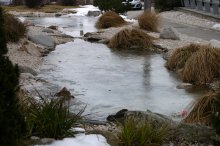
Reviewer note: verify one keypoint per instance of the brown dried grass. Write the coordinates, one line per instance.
(149, 21)
(110, 19)
(179, 56)
(203, 66)
(203, 110)
(131, 39)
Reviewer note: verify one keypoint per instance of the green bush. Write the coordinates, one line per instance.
(33, 3)
(216, 116)
(50, 118)
(166, 5)
(68, 2)
(111, 5)
(14, 29)
(12, 125)
(141, 134)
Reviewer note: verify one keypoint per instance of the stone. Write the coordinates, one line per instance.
(118, 115)
(53, 27)
(214, 43)
(43, 40)
(65, 94)
(94, 13)
(184, 86)
(58, 15)
(169, 33)
(47, 141)
(25, 69)
(47, 30)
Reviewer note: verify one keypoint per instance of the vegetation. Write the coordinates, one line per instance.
(14, 28)
(196, 64)
(149, 21)
(141, 134)
(216, 115)
(46, 8)
(12, 123)
(202, 110)
(17, 2)
(166, 5)
(68, 2)
(110, 19)
(111, 5)
(50, 118)
(131, 39)
(33, 3)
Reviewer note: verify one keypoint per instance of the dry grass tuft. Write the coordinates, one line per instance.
(179, 56)
(131, 39)
(203, 110)
(203, 66)
(110, 19)
(149, 21)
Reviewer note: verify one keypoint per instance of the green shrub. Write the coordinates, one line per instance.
(50, 118)
(12, 125)
(141, 134)
(33, 3)
(14, 29)
(166, 5)
(111, 5)
(67, 2)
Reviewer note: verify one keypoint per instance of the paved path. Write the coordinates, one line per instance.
(190, 30)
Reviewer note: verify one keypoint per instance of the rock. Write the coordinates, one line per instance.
(65, 94)
(94, 13)
(43, 40)
(25, 69)
(120, 114)
(53, 27)
(45, 141)
(170, 33)
(184, 86)
(47, 30)
(92, 37)
(34, 138)
(215, 85)
(58, 15)
(214, 43)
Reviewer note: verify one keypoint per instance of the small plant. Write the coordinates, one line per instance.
(135, 133)
(166, 5)
(33, 3)
(50, 118)
(14, 29)
(131, 39)
(149, 21)
(111, 5)
(110, 19)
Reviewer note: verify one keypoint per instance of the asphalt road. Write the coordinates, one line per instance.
(190, 30)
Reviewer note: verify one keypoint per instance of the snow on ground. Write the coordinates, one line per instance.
(81, 140)
(83, 10)
(216, 26)
(128, 20)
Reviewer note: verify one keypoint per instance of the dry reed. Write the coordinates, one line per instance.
(149, 21)
(131, 39)
(202, 110)
(110, 19)
(179, 56)
(203, 66)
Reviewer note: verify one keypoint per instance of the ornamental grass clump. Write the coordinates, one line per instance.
(131, 39)
(141, 134)
(196, 64)
(149, 21)
(202, 110)
(50, 118)
(110, 19)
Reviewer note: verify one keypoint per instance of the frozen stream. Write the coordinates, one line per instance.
(108, 81)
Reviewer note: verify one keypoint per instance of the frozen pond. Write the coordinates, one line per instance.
(108, 81)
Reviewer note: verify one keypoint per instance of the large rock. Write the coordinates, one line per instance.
(214, 43)
(177, 131)
(43, 40)
(25, 69)
(94, 13)
(170, 33)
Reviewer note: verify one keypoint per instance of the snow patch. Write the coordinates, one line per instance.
(216, 26)
(81, 140)
(83, 10)
(128, 20)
